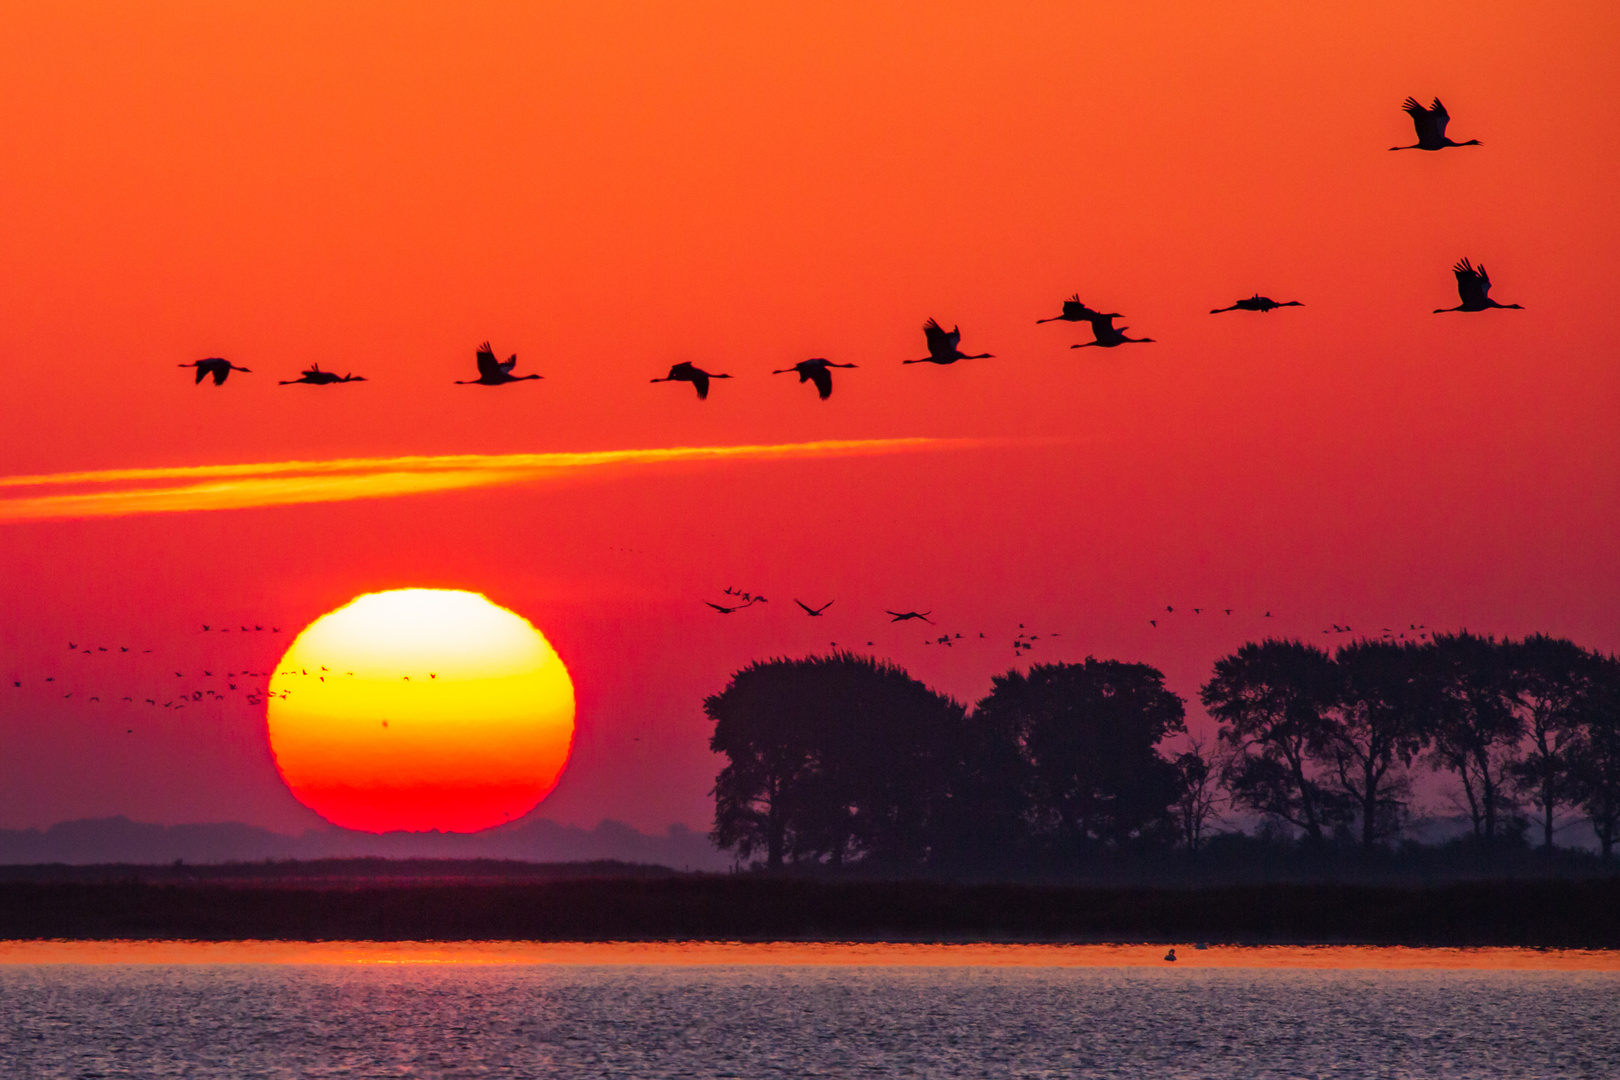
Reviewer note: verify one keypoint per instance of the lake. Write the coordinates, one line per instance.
(110, 1009)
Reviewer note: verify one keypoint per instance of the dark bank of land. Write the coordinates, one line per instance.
(330, 872)
(1547, 913)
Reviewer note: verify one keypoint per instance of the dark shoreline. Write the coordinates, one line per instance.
(1581, 914)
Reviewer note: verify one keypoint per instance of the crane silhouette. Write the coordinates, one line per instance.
(1473, 286)
(1108, 335)
(814, 370)
(728, 610)
(813, 611)
(1431, 127)
(218, 367)
(1257, 303)
(314, 376)
(942, 347)
(685, 372)
(1075, 311)
(906, 616)
(493, 372)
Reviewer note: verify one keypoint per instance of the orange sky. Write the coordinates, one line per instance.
(606, 189)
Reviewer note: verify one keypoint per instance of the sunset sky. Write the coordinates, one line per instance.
(606, 189)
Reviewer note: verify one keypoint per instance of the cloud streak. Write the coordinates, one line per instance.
(193, 488)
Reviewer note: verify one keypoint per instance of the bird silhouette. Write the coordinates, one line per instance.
(903, 616)
(314, 376)
(1473, 286)
(1257, 303)
(1107, 335)
(685, 372)
(216, 366)
(815, 371)
(808, 610)
(728, 610)
(1076, 311)
(942, 347)
(1431, 126)
(493, 372)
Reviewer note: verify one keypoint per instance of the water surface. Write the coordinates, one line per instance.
(348, 1010)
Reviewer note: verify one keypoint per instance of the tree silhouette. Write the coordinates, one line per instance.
(832, 759)
(1476, 729)
(983, 822)
(1088, 732)
(1381, 727)
(1595, 765)
(1198, 791)
(1552, 681)
(1272, 700)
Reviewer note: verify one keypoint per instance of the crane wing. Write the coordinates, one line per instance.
(1439, 118)
(488, 366)
(509, 363)
(1472, 283)
(939, 342)
(823, 380)
(1422, 121)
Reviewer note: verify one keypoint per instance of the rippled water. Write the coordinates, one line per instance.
(270, 1020)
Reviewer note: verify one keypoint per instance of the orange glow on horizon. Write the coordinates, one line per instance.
(420, 709)
(819, 954)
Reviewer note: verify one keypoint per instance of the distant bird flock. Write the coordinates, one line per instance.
(944, 347)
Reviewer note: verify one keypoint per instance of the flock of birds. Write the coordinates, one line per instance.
(195, 688)
(200, 686)
(739, 600)
(945, 347)
(204, 685)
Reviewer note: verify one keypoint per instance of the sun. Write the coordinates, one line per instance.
(420, 709)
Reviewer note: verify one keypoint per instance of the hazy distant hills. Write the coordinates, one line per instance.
(120, 840)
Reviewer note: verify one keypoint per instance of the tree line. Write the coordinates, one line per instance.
(842, 759)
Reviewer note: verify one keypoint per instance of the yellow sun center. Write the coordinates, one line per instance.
(421, 709)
